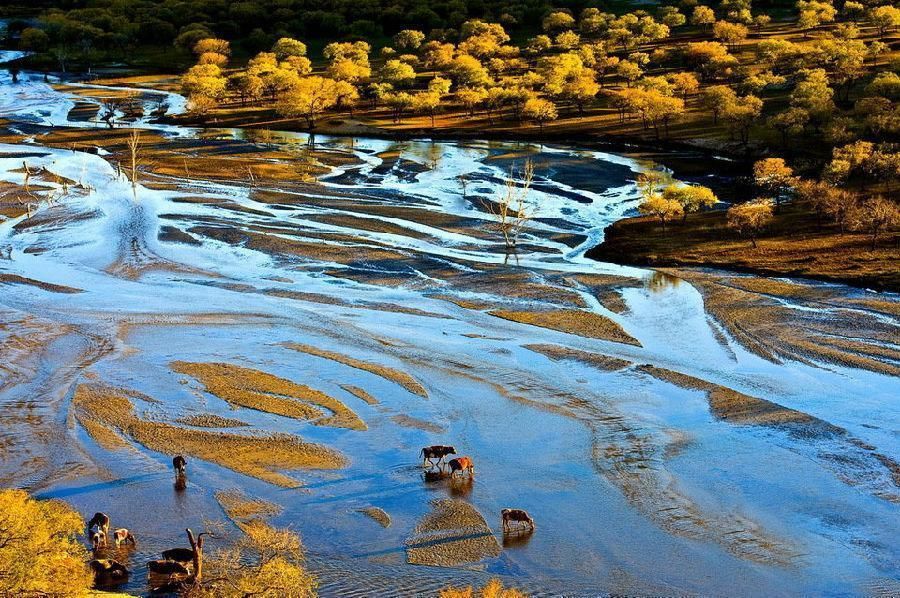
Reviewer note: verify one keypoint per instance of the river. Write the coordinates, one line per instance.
(769, 467)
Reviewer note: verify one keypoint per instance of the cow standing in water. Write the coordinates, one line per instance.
(436, 451)
(98, 530)
(123, 536)
(179, 463)
(461, 464)
(516, 516)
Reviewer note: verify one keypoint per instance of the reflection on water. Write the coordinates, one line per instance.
(659, 281)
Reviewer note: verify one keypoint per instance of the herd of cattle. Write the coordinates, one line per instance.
(176, 562)
(464, 465)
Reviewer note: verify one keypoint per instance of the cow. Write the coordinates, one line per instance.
(515, 516)
(435, 452)
(98, 538)
(180, 464)
(123, 536)
(179, 555)
(98, 530)
(108, 572)
(461, 464)
(167, 568)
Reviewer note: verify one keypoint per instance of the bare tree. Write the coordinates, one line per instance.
(134, 149)
(511, 210)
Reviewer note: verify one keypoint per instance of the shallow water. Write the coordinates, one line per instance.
(636, 484)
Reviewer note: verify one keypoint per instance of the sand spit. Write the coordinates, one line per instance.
(560, 353)
(454, 533)
(99, 406)
(571, 321)
(419, 424)
(239, 507)
(360, 394)
(378, 514)
(388, 373)
(736, 407)
(632, 461)
(211, 420)
(253, 389)
(851, 460)
(753, 311)
(46, 286)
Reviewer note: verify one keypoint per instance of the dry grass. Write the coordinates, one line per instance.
(97, 407)
(558, 353)
(211, 420)
(766, 327)
(452, 534)
(493, 589)
(253, 389)
(419, 424)
(239, 507)
(570, 321)
(793, 246)
(388, 373)
(360, 394)
(378, 515)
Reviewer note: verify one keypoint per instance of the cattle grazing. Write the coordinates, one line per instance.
(98, 538)
(179, 555)
(180, 464)
(98, 530)
(167, 568)
(517, 516)
(108, 572)
(123, 536)
(461, 464)
(100, 520)
(435, 452)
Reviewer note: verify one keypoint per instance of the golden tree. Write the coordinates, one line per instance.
(39, 550)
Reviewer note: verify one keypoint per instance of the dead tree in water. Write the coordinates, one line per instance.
(197, 547)
(512, 211)
(134, 149)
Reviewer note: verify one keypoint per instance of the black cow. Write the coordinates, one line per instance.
(435, 452)
(180, 465)
(179, 555)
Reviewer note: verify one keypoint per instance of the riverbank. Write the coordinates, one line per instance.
(794, 246)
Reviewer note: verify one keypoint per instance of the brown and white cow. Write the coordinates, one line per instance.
(436, 451)
(516, 516)
(461, 464)
(98, 530)
(123, 536)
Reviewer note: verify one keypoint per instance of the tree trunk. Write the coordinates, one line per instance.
(197, 547)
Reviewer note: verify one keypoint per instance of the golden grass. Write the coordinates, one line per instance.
(769, 329)
(99, 406)
(570, 321)
(383, 371)
(378, 514)
(558, 353)
(240, 507)
(493, 589)
(211, 420)
(452, 534)
(253, 389)
(419, 424)
(793, 246)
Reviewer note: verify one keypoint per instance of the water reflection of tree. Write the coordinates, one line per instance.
(660, 281)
